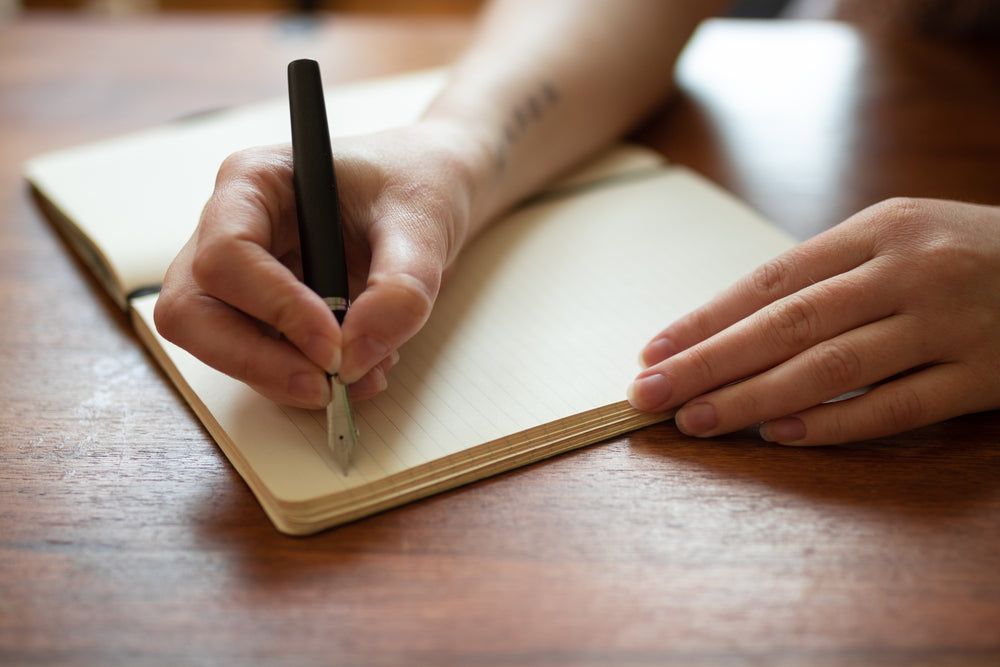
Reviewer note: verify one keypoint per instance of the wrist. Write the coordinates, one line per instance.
(463, 155)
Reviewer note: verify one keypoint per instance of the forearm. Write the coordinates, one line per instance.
(546, 84)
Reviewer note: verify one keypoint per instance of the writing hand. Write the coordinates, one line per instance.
(233, 296)
(903, 297)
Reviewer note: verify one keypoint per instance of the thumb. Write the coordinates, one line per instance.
(403, 282)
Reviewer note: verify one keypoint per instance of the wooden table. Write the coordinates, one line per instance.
(126, 537)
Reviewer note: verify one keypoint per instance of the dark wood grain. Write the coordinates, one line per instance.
(126, 538)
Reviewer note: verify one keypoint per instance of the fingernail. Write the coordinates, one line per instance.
(321, 350)
(697, 418)
(649, 393)
(786, 430)
(359, 356)
(309, 388)
(656, 351)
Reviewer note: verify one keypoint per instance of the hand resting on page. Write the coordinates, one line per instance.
(903, 297)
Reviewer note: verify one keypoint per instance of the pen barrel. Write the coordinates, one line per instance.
(317, 204)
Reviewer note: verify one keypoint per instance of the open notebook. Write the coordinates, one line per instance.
(530, 346)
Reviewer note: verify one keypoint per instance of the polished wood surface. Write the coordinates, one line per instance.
(126, 537)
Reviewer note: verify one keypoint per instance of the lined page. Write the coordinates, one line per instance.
(541, 320)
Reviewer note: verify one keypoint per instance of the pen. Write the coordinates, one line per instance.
(321, 238)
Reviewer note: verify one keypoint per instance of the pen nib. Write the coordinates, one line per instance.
(341, 431)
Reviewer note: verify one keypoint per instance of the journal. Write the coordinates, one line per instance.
(528, 351)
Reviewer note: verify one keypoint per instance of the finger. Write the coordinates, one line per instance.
(765, 339)
(832, 368)
(836, 251)
(375, 380)
(237, 346)
(233, 259)
(397, 300)
(925, 397)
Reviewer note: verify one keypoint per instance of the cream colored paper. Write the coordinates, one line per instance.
(528, 351)
(530, 346)
(135, 199)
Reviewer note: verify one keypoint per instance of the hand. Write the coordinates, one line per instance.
(903, 297)
(233, 296)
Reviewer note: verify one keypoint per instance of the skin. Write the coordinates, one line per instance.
(523, 105)
(234, 298)
(903, 297)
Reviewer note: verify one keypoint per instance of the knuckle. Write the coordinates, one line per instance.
(836, 364)
(259, 176)
(792, 321)
(238, 162)
(748, 407)
(700, 366)
(905, 219)
(836, 428)
(770, 278)
(903, 216)
(913, 229)
(248, 162)
(903, 409)
(900, 209)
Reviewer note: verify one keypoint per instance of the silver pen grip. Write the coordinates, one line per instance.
(342, 431)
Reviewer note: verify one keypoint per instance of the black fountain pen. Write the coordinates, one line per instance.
(321, 238)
